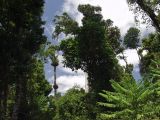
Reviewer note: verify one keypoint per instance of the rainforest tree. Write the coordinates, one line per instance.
(21, 36)
(89, 48)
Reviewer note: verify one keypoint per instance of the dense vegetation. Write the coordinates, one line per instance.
(92, 47)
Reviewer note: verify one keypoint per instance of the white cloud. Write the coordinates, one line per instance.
(132, 58)
(116, 10)
(66, 82)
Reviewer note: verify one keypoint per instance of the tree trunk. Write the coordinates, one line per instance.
(20, 111)
(5, 99)
(3, 94)
(55, 82)
(2, 113)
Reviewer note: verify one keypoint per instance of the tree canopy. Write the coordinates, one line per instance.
(132, 38)
(91, 48)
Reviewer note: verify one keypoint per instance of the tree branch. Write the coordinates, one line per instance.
(150, 13)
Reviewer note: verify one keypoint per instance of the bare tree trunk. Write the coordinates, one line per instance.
(55, 82)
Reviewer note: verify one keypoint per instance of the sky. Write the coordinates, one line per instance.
(116, 10)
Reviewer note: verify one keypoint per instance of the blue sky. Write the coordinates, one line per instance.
(116, 10)
(51, 9)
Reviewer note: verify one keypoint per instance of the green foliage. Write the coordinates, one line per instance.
(72, 105)
(146, 61)
(131, 100)
(112, 34)
(151, 45)
(70, 53)
(131, 39)
(51, 53)
(38, 91)
(65, 24)
(42, 108)
(155, 78)
(37, 84)
(92, 47)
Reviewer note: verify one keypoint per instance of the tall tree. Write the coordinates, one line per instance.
(53, 56)
(6, 56)
(22, 35)
(90, 47)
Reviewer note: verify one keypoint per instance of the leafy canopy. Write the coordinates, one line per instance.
(91, 47)
(131, 39)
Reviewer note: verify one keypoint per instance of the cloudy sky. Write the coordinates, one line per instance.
(116, 10)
